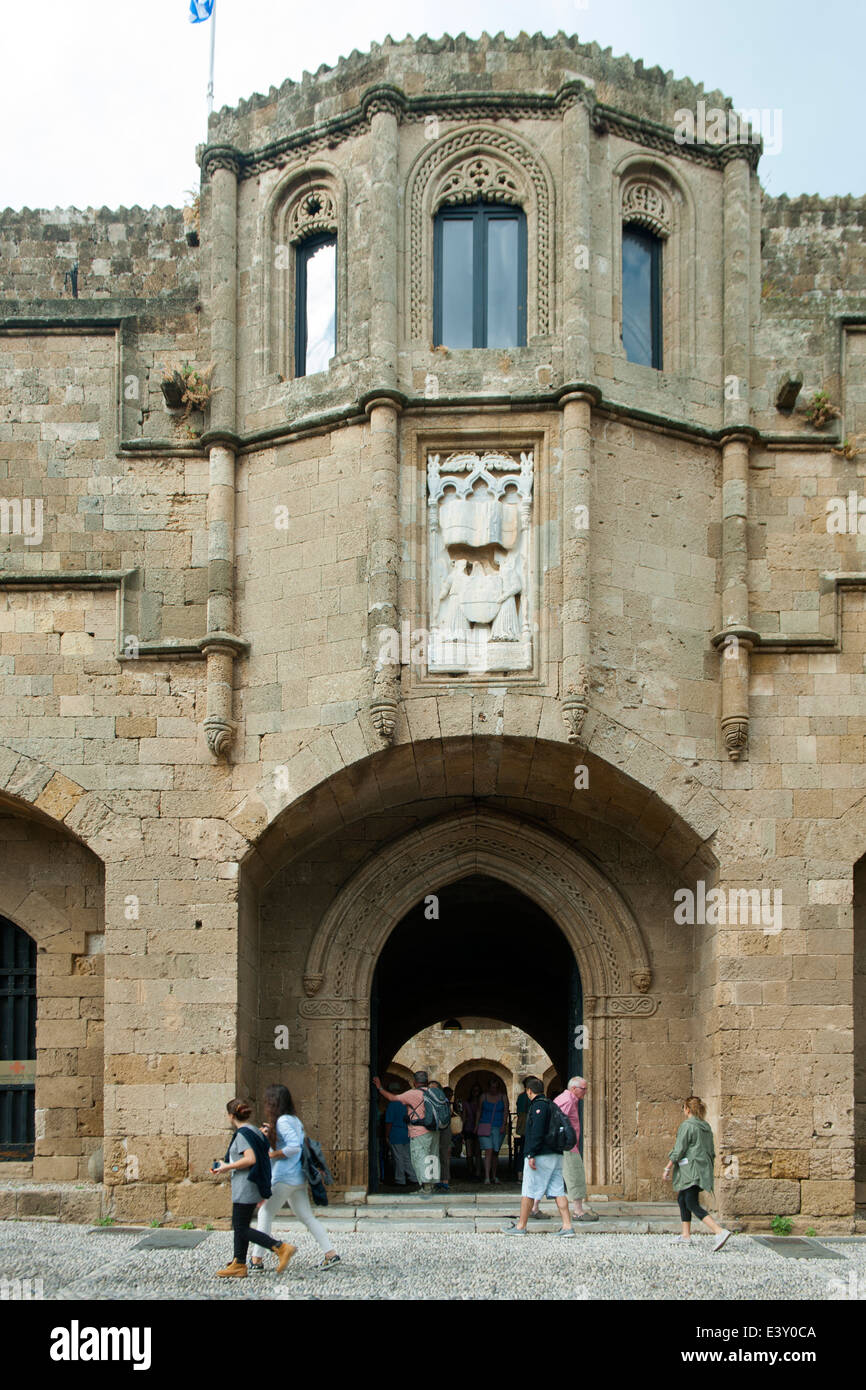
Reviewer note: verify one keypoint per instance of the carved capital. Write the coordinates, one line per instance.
(735, 731)
(383, 98)
(219, 733)
(641, 979)
(312, 984)
(383, 712)
(221, 157)
(574, 711)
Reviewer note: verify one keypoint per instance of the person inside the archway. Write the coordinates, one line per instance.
(397, 1135)
(573, 1172)
(423, 1142)
(471, 1107)
(691, 1162)
(444, 1137)
(542, 1168)
(492, 1125)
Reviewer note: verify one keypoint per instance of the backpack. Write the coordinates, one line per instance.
(315, 1170)
(437, 1111)
(559, 1136)
(260, 1173)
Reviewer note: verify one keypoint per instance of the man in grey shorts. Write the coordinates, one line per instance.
(542, 1169)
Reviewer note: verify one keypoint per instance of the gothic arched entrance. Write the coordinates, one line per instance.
(598, 929)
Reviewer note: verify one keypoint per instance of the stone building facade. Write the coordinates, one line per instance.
(258, 824)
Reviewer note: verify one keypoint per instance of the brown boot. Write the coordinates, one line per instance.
(284, 1253)
(233, 1270)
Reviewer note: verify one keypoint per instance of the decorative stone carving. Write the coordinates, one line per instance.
(384, 715)
(312, 984)
(480, 573)
(314, 212)
(219, 733)
(479, 177)
(574, 709)
(322, 1008)
(644, 203)
(735, 732)
(620, 1005)
(641, 979)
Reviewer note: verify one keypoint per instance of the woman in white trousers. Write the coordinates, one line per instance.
(285, 1134)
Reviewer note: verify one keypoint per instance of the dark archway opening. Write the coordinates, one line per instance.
(478, 947)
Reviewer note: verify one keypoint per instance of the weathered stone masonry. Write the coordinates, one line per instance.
(219, 791)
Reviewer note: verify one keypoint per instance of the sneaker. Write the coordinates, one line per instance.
(328, 1263)
(257, 1266)
(565, 1232)
(513, 1230)
(720, 1240)
(586, 1216)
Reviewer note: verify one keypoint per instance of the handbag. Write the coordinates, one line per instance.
(484, 1131)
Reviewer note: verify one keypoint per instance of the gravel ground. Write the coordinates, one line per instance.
(75, 1264)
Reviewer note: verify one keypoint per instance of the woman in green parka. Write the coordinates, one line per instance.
(691, 1161)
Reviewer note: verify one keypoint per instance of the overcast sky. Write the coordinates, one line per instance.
(102, 102)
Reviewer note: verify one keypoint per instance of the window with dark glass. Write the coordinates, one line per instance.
(479, 277)
(641, 296)
(315, 304)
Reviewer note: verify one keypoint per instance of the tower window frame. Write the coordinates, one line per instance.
(480, 215)
(304, 252)
(635, 233)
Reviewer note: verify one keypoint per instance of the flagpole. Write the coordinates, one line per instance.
(210, 79)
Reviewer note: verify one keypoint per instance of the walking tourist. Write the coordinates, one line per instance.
(691, 1162)
(542, 1167)
(285, 1134)
(573, 1172)
(397, 1135)
(492, 1121)
(247, 1162)
(423, 1142)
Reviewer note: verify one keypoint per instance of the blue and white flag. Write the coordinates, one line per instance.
(200, 10)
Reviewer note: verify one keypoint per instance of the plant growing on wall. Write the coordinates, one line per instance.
(187, 387)
(192, 218)
(820, 409)
(851, 448)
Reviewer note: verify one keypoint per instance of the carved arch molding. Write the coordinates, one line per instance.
(595, 920)
(480, 162)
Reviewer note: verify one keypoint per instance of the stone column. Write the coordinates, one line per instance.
(383, 621)
(576, 259)
(576, 479)
(737, 258)
(736, 638)
(382, 109)
(220, 646)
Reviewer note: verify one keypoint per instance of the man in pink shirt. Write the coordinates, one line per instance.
(572, 1163)
(423, 1143)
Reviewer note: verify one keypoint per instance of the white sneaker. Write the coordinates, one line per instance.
(720, 1240)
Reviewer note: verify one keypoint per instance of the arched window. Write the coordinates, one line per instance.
(642, 295)
(17, 1041)
(479, 276)
(315, 303)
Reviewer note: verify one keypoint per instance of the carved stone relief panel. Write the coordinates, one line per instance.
(481, 598)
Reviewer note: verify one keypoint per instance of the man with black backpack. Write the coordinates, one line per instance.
(424, 1122)
(549, 1134)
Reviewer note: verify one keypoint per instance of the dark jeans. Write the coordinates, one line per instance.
(242, 1215)
(689, 1204)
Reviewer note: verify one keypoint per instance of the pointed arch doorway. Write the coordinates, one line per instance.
(477, 947)
(597, 926)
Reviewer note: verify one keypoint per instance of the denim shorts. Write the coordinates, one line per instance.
(545, 1179)
(493, 1140)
